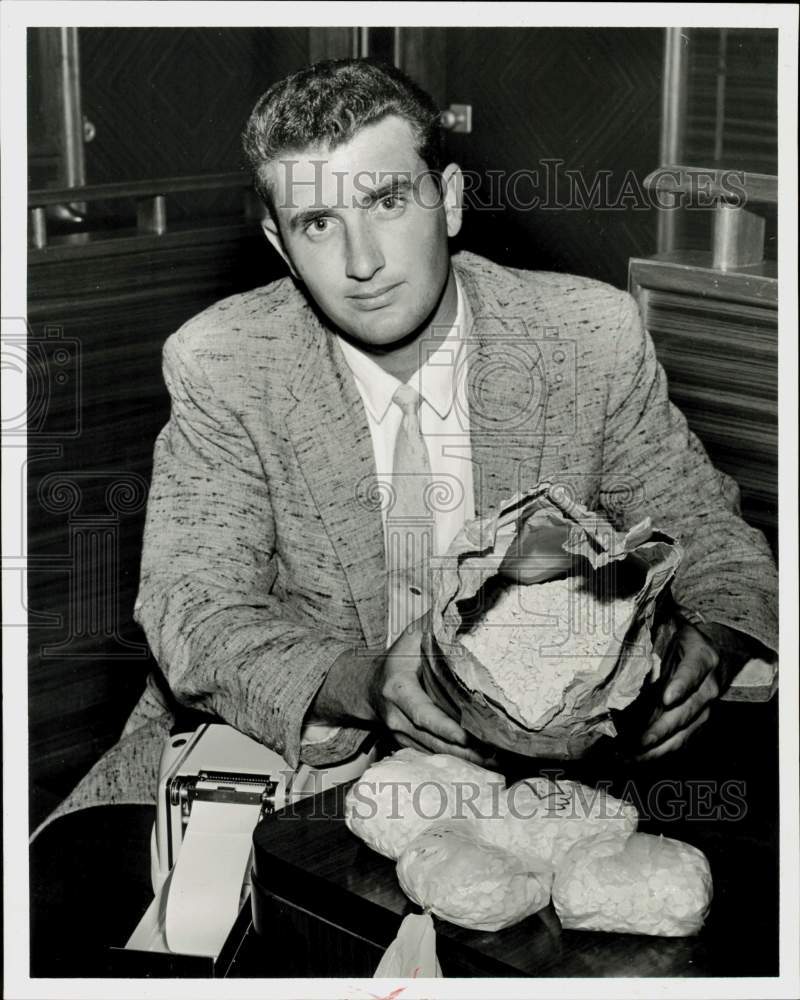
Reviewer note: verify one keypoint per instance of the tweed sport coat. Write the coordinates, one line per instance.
(262, 559)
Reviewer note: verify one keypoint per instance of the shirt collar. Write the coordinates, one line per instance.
(435, 380)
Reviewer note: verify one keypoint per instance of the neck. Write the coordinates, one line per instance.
(404, 359)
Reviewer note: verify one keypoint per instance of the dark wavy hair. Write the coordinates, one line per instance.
(327, 104)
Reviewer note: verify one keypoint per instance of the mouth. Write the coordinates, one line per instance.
(374, 300)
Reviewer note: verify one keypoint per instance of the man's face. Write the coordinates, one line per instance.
(365, 228)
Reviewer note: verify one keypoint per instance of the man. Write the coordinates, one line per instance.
(263, 589)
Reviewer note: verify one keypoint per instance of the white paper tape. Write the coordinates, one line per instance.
(207, 880)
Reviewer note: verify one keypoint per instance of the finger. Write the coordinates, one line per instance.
(430, 744)
(671, 720)
(676, 741)
(696, 659)
(414, 703)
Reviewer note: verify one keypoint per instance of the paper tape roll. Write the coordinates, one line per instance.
(206, 884)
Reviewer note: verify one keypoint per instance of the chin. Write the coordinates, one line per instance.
(386, 333)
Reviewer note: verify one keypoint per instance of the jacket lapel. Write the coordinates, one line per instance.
(506, 396)
(329, 431)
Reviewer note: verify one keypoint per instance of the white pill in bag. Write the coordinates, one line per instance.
(543, 818)
(457, 875)
(640, 885)
(401, 796)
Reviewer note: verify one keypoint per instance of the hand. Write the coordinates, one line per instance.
(692, 678)
(536, 554)
(401, 703)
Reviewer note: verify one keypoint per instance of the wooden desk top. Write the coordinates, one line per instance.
(309, 861)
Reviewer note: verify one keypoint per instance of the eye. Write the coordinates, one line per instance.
(318, 227)
(391, 204)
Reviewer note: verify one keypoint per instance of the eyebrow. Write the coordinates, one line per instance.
(395, 185)
(303, 219)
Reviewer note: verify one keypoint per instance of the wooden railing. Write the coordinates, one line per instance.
(151, 197)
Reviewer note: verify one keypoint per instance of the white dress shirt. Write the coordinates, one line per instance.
(443, 416)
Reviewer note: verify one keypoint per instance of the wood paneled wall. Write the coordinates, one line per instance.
(717, 337)
(99, 315)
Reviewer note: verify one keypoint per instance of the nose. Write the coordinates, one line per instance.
(363, 254)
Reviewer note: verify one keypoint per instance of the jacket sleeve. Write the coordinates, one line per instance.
(224, 643)
(654, 465)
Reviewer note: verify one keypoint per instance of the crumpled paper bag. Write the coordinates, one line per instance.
(645, 560)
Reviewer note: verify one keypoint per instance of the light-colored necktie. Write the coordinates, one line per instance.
(409, 520)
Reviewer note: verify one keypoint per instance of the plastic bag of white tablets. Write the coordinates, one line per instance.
(642, 885)
(541, 818)
(455, 874)
(401, 796)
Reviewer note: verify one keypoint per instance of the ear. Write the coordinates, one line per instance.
(453, 191)
(272, 233)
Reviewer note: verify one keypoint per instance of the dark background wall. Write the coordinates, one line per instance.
(589, 98)
(169, 102)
